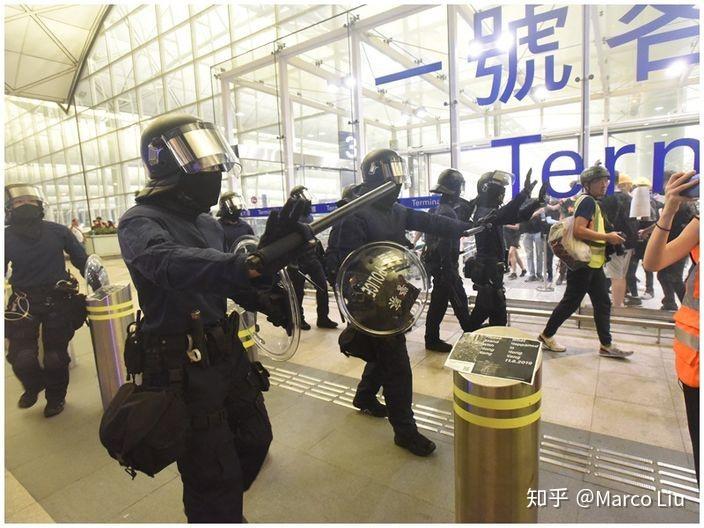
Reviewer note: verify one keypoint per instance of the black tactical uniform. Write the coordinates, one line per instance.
(387, 360)
(310, 264)
(176, 255)
(43, 293)
(487, 271)
(441, 257)
(231, 206)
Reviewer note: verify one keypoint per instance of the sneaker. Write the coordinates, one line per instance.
(648, 295)
(551, 344)
(632, 301)
(512, 275)
(438, 345)
(326, 322)
(523, 273)
(54, 408)
(613, 351)
(28, 399)
(416, 443)
(669, 307)
(539, 277)
(531, 278)
(370, 406)
(304, 325)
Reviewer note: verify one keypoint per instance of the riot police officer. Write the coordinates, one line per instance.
(387, 360)
(43, 293)
(310, 265)
(231, 207)
(441, 257)
(176, 255)
(488, 267)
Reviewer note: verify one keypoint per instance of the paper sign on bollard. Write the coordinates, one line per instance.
(497, 357)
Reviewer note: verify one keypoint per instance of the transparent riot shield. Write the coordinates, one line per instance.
(272, 341)
(382, 288)
(95, 274)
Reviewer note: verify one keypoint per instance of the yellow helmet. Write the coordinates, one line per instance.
(624, 179)
(642, 181)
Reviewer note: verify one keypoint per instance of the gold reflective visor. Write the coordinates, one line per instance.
(200, 147)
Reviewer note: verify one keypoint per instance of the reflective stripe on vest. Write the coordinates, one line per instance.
(598, 247)
(687, 329)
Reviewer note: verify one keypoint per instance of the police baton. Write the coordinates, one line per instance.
(293, 241)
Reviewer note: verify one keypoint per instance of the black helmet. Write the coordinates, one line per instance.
(449, 182)
(382, 165)
(15, 191)
(231, 205)
(301, 192)
(184, 143)
(491, 187)
(593, 173)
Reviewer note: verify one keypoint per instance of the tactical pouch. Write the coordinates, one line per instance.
(468, 266)
(356, 344)
(144, 430)
(77, 310)
(133, 348)
(258, 376)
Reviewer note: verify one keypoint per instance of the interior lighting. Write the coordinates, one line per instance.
(676, 69)
(421, 112)
(658, 108)
(505, 41)
(348, 81)
(239, 114)
(648, 135)
(475, 49)
(540, 92)
(664, 135)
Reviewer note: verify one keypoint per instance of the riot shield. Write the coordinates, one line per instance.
(273, 341)
(95, 273)
(382, 288)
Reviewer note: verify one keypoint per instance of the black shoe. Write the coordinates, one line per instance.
(28, 399)
(513, 275)
(416, 443)
(304, 325)
(326, 322)
(370, 406)
(669, 307)
(438, 345)
(632, 301)
(523, 273)
(54, 408)
(539, 277)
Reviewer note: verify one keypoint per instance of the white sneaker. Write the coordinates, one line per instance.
(646, 296)
(551, 344)
(613, 351)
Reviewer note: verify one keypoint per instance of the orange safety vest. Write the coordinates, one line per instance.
(687, 329)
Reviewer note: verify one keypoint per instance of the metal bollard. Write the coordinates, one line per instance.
(110, 311)
(497, 426)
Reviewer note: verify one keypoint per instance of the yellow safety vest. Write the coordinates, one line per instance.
(598, 247)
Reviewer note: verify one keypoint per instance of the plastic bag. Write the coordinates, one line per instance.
(574, 253)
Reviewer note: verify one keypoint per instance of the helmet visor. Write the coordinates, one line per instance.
(17, 193)
(502, 177)
(395, 170)
(234, 203)
(200, 147)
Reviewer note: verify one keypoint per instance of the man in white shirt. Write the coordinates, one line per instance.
(76, 230)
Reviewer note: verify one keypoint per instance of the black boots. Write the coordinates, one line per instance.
(54, 408)
(326, 322)
(370, 406)
(28, 399)
(416, 443)
(438, 345)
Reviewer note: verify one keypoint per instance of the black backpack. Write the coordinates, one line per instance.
(144, 430)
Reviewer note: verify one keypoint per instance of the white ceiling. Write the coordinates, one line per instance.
(45, 46)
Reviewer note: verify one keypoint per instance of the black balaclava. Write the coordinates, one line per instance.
(26, 220)
(493, 197)
(202, 190)
(386, 201)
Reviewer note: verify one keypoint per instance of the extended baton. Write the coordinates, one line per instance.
(293, 241)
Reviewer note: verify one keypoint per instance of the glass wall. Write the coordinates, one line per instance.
(311, 88)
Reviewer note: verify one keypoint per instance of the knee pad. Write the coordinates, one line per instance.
(55, 360)
(25, 359)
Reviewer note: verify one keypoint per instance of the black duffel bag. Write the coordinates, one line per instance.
(144, 430)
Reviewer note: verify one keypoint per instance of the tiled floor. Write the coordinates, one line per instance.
(330, 464)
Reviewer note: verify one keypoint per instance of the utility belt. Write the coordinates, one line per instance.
(161, 358)
(485, 271)
(41, 299)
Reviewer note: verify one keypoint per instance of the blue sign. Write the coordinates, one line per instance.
(405, 74)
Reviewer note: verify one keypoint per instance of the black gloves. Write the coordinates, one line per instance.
(279, 225)
(275, 304)
(527, 184)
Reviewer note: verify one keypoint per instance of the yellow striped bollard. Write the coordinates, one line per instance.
(497, 428)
